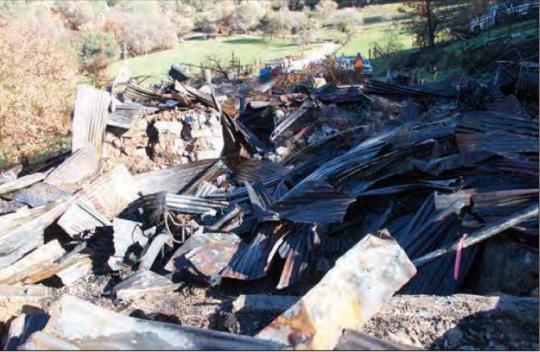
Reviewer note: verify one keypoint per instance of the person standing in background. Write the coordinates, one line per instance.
(358, 65)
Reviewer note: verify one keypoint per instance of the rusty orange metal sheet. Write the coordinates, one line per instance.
(347, 296)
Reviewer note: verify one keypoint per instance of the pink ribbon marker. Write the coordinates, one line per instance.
(457, 262)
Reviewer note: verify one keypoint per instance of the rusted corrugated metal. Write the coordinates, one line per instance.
(21, 182)
(90, 118)
(172, 179)
(204, 255)
(40, 194)
(108, 195)
(126, 113)
(79, 167)
(76, 324)
(250, 261)
(21, 233)
(347, 296)
(193, 205)
(291, 119)
(257, 170)
(508, 105)
(81, 217)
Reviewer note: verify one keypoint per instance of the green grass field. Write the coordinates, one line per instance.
(247, 48)
(472, 57)
(367, 36)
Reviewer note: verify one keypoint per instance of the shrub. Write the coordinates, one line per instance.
(203, 22)
(37, 85)
(345, 21)
(180, 14)
(248, 15)
(142, 33)
(308, 30)
(78, 13)
(97, 45)
(282, 22)
(326, 8)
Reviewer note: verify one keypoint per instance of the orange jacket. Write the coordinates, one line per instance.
(358, 64)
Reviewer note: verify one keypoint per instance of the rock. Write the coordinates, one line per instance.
(454, 337)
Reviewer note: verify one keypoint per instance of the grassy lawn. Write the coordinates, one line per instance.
(248, 49)
(367, 36)
(457, 58)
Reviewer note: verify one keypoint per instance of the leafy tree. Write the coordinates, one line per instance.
(277, 23)
(326, 8)
(180, 14)
(249, 14)
(37, 82)
(141, 33)
(430, 17)
(308, 29)
(78, 13)
(97, 45)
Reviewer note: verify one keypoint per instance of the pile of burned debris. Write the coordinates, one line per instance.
(321, 204)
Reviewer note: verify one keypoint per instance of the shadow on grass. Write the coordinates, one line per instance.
(258, 41)
(246, 41)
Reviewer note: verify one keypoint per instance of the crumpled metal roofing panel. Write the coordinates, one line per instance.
(76, 324)
(90, 118)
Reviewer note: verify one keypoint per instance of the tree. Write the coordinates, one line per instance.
(36, 86)
(96, 46)
(430, 17)
(326, 8)
(249, 15)
(278, 22)
(308, 29)
(141, 33)
(78, 13)
(181, 15)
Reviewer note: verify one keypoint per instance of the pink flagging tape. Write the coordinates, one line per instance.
(457, 262)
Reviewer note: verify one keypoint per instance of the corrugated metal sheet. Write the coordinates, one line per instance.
(250, 261)
(257, 170)
(297, 248)
(320, 204)
(108, 195)
(193, 205)
(125, 114)
(509, 105)
(204, 255)
(81, 217)
(21, 182)
(496, 122)
(38, 264)
(76, 324)
(347, 296)
(173, 179)
(40, 194)
(79, 167)
(290, 120)
(90, 118)
(21, 233)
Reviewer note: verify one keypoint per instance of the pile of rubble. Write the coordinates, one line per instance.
(327, 201)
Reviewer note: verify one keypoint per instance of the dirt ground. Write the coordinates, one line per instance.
(459, 322)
